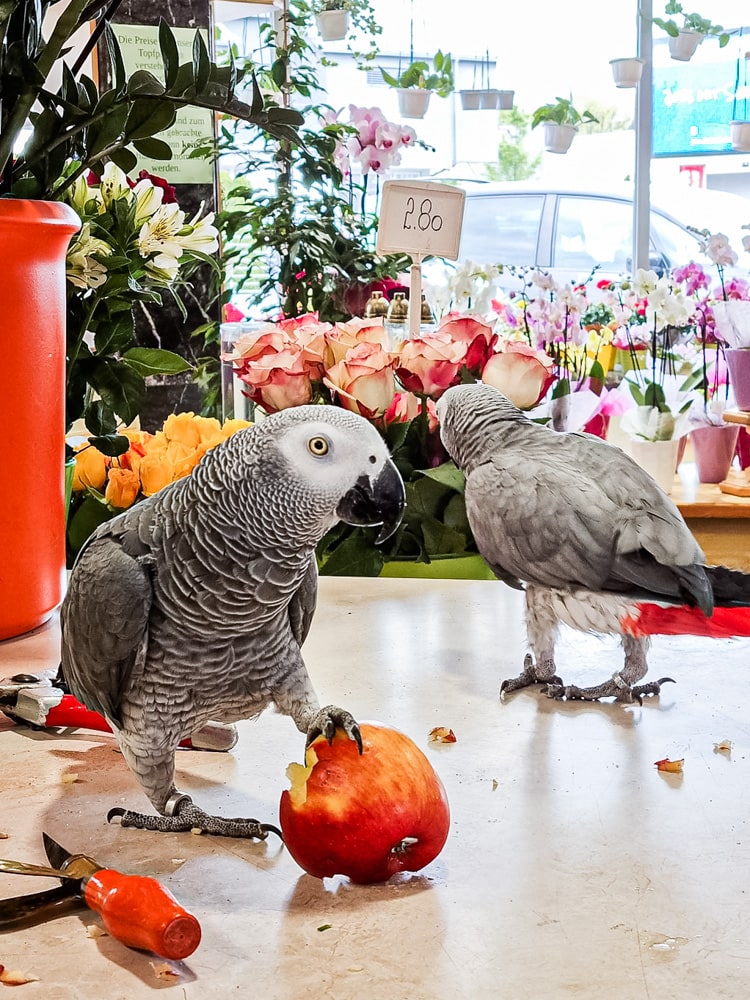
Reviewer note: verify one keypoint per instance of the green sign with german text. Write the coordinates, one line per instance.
(140, 50)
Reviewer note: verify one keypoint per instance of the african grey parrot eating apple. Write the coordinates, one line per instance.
(193, 605)
(589, 537)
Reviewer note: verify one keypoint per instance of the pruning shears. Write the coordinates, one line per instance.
(35, 701)
(135, 909)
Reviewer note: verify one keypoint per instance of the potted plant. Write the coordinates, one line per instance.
(74, 124)
(332, 19)
(627, 72)
(417, 82)
(561, 121)
(685, 38)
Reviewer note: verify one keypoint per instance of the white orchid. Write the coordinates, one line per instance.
(716, 247)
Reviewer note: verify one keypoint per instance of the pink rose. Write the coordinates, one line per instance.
(363, 380)
(267, 339)
(345, 336)
(521, 373)
(478, 336)
(406, 406)
(431, 364)
(278, 381)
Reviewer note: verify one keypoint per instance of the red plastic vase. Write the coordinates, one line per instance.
(34, 238)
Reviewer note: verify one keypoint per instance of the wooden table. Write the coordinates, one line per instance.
(719, 521)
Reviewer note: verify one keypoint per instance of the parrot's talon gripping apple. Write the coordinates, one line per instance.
(328, 720)
(366, 815)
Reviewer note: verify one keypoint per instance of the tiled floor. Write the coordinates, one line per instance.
(573, 867)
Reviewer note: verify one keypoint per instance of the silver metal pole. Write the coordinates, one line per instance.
(643, 130)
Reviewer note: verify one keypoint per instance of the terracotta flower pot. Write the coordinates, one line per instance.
(34, 237)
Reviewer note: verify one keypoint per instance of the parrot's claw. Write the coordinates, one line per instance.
(328, 720)
(188, 816)
(616, 688)
(528, 677)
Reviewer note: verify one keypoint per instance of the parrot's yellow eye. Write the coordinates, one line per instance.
(317, 446)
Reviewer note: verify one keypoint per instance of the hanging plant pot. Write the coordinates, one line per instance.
(557, 138)
(488, 99)
(626, 72)
(413, 102)
(740, 134)
(682, 47)
(470, 99)
(332, 24)
(505, 99)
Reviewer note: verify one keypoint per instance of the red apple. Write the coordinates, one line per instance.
(367, 816)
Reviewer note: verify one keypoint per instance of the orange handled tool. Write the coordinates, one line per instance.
(141, 913)
(135, 909)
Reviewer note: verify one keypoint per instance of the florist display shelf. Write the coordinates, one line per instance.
(719, 521)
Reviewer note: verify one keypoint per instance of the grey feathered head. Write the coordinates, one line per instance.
(307, 467)
(470, 416)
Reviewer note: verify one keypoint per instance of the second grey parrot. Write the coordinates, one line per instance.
(193, 605)
(590, 538)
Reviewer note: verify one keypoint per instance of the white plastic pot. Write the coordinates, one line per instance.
(488, 99)
(469, 99)
(413, 102)
(626, 72)
(682, 47)
(505, 99)
(557, 138)
(332, 24)
(740, 134)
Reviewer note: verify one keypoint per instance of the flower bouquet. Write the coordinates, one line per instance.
(353, 365)
(103, 485)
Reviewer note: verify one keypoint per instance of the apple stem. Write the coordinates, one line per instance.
(403, 845)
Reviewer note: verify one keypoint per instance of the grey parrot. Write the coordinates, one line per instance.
(590, 538)
(193, 604)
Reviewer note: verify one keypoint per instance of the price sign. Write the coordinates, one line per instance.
(421, 219)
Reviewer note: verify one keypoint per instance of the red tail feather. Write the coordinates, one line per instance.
(655, 619)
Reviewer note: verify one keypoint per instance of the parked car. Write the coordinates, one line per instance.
(568, 232)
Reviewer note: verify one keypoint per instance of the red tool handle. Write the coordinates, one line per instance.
(71, 713)
(141, 913)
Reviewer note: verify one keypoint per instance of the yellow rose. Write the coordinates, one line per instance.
(232, 426)
(182, 427)
(156, 472)
(90, 469)
(122, 487)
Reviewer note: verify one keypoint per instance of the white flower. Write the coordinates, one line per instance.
(202, 236)
(543, 280)
(81, 268)
(718, 250)
(148, 198)
(113, 185)
(158, 234)
(644, 282)
(163, 266)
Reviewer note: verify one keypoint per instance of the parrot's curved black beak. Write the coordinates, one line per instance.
(372, 502)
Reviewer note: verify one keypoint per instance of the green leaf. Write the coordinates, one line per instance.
(100, 420)
(107, 131)
(125, 159)
(201, 63)
(355, 556)
(88, 516)
(448, 474)
(155, 149)
(153, 361)
(170, 55)
(147, 117)
(142, 84)
(112, 445)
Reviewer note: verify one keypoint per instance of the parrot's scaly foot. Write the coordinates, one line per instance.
(328, 720)
(183, 815)
(616, 688)
(527, 678)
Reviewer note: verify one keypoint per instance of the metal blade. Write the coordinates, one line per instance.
(75, 865)
(56, 853)
(24, 911)
(20, 868)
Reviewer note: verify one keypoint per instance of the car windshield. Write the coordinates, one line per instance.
(502, 230)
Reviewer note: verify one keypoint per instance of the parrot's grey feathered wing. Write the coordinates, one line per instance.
(99, 665)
